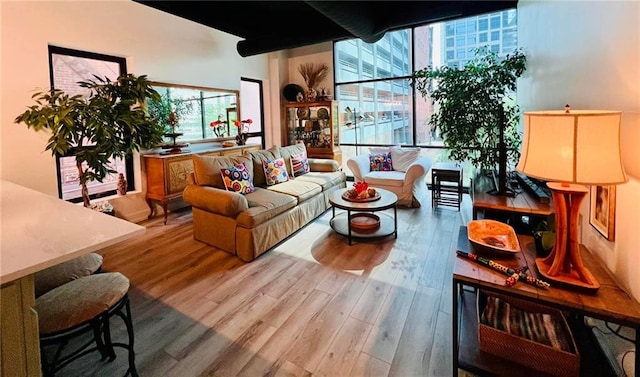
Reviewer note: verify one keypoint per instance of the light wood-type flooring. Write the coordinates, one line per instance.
(312, 306)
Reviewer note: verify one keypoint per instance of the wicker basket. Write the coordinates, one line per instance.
(523, 351)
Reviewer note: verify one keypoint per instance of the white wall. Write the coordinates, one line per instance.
(163, 47)
(587, 54)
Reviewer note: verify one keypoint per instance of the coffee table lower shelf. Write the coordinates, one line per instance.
(340, 224)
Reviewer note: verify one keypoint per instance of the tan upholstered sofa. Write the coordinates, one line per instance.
(406, 179)
(247, 225)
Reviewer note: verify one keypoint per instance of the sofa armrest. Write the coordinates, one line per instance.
(418, 169)
(323, 165)
(359, 166)
(211, 199)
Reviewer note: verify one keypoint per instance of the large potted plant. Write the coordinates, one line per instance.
(110, 122)
(475, 112)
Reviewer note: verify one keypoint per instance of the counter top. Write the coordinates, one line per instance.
(195, 148)
(38, 231)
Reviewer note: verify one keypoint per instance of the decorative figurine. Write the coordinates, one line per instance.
(122, 185)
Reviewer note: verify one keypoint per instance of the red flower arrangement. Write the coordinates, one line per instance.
(218, 128)
(243, 128)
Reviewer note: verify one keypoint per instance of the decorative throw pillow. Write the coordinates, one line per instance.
(299, 164)
(237, 179)
(380, 162)
(275, 171)
(402, 158)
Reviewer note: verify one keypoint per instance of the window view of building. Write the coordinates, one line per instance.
(68, 67)
(373, 79)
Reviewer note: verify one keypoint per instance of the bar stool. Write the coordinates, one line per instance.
(62, 273)
(82, 306)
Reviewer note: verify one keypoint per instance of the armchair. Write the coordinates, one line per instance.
(406, 182)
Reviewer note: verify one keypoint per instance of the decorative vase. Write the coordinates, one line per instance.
(122, 185)
(241, 139)
(312, 95)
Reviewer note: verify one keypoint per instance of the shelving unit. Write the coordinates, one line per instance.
(316, 125)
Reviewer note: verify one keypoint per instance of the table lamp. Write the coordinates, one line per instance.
(570, 149)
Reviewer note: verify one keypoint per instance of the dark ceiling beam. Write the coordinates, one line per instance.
(280, 25)
(255, 46)
(359, 21)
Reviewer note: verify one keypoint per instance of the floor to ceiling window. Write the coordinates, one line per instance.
(372, 79)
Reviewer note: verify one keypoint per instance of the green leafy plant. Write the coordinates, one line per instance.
(110, 122)
(160, 110)
(467, 105)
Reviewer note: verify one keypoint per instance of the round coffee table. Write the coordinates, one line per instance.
(341, 223)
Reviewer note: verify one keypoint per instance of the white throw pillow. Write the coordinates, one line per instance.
(402, 158)
(379, 150)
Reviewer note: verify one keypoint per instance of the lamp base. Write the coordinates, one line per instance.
(564, 264)
(568, 280)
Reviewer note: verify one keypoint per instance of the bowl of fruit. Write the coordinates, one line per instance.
(361, 192)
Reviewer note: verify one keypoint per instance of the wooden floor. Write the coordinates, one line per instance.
(311, 306)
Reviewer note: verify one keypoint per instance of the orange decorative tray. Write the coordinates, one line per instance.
(493, 237)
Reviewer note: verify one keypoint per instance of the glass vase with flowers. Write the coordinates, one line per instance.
(218, 127)
(243, 130)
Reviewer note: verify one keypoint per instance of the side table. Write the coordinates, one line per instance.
(610, 304)
(449, 193)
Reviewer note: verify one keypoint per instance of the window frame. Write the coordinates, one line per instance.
(128, 160)
(462, 49)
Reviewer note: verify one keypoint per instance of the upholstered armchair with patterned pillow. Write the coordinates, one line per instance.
(397, 169)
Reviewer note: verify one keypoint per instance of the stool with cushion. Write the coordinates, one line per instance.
(82, 306)
(62, 273)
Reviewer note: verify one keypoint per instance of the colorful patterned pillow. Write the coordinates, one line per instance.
(237, 179)
(380, 162)
(275, 171)
(299, 164)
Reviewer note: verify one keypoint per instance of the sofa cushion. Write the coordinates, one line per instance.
(299, 164)
(290, 151)
(300, 189)
(380, 161)
(387, 178)
(263, 205)
(237, 179)
(275, 171)
(206, 169)
(325, 179)
(323, 165)
(402, 158)
(257, 157)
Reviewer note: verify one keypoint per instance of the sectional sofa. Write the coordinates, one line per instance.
(259, 214)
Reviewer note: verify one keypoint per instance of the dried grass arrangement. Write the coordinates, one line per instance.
(312, 74)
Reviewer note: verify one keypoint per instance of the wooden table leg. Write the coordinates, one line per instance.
(152, 209)
(164, 208)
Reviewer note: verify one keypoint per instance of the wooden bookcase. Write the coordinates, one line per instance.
(316, 124)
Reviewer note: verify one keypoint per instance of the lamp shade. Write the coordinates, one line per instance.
(580, 146)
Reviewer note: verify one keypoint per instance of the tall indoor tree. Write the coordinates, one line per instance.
(473, 103)
(110, 122)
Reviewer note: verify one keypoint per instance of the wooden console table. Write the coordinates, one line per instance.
(167, 173)
(611, 303)
(506, 207)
